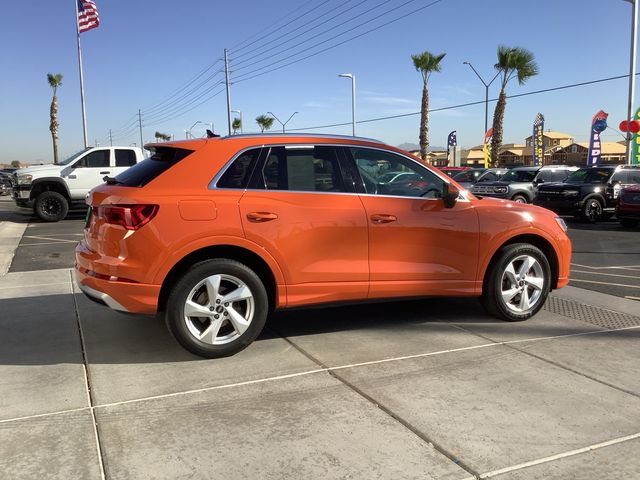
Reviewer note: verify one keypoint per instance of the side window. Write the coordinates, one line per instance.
(620, 176)
(125, 158)
(97, 159)
(314, 169)
(238, 174)
(560, 175)
(374, 165)
(545, 175)
(633, 176)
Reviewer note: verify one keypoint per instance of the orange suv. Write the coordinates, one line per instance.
(216, 234)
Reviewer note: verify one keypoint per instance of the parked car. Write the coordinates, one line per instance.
(628, 207)
(470, 177)
(519, 184)
(214, 235)
(451, 171)
(590, 192)
(51, 189)
(5, 184)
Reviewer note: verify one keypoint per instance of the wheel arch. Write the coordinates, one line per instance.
(53, 184)
(232, 252)
(535, 240)
(522, 193)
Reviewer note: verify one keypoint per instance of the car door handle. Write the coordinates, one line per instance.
(383, 218)
(261, 216)
(105, 173)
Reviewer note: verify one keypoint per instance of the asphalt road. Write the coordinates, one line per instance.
(606, 257)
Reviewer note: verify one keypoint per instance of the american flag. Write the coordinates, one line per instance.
(87, 15)
(452, 141)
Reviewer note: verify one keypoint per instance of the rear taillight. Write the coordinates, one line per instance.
(131, 217)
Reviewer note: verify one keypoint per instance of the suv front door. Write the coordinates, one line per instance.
(301, 209)
(87, 172)
(416, 246)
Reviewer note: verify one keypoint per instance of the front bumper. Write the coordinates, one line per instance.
(560, 204)
(117, 294)
(21, 193)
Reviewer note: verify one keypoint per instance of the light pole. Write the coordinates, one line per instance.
(190, 128)
(241, 124)
(353, 99)
(486, 94)
(285, 123)
(632, 71)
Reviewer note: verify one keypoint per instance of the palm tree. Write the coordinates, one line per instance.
(54, 82)
(162, 136)
(425, 63)
(512, 63)
(264, 122)
(236, 125)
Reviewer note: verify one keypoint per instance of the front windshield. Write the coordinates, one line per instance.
(519, 176)
(67, 161)
(590, 175)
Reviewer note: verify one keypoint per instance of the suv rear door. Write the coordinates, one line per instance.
(87, 172)
(301, 208)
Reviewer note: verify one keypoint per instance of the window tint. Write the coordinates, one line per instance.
(142, 173)
(97, 159)
(559, 175)
(303, 169)
(633, 176)
(374, 165)
(237, 175)
(125, 158)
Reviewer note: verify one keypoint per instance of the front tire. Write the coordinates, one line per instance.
(217, 308)
(51, 206)
(520, 199)
(518, 283)
(592, 210)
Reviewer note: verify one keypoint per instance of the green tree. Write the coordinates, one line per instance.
(54, 82)
(264, 122)
(426, 63)
(236, 125)
(162, 136)
(15, 164)
(513, 62)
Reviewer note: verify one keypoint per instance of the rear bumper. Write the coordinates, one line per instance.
(117, 294)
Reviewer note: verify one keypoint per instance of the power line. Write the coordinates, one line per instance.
(248, 76)
(305, 32)
(178, 114)
(469, 104)
(176, 108)
(285, 25)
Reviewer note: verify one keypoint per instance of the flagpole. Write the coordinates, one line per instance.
(84, 115)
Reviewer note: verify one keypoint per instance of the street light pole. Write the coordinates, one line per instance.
(241, 124)
(632, 71)
(353, 99)
(486, 94)
(285, 123)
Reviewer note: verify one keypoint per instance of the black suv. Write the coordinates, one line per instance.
(590, 192)
(519, 184)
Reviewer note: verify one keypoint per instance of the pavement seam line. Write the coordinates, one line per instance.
(558, 456)
(48, 414)
(36, 285)
(87, 381)
(422, 436)
(564, 367)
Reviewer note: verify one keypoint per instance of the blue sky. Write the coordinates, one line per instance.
(145, 50)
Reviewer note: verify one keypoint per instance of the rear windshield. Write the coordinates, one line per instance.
(142, 173)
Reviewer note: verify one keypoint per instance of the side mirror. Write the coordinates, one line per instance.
(449, 195)
(538, 181)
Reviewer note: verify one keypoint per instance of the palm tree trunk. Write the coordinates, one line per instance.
(424, 123)
(53, 127)
(498, 119)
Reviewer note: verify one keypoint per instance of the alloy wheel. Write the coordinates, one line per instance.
(522, 283)
(219, 309)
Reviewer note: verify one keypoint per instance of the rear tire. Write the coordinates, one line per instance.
(592, 210)
(518, 283)
(200, 319)
(51, 206)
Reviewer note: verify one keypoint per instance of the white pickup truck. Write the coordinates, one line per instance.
(51, 189)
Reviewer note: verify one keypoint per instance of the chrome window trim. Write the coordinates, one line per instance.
(212, 184)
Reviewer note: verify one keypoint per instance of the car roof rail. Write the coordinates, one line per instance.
(301, 135)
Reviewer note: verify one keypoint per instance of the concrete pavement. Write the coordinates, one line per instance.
(419, 389)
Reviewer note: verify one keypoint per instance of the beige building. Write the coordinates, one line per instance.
(577, 153)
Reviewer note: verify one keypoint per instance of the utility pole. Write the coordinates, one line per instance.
(110, 138)
(226, 77)
(632, 72)
(140, 126)
(486, 95)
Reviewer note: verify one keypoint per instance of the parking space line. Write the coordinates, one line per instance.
(38, 285)
(605, 283)
(618, 267)
(43, 243)
(49, 414)
(558, 456)
(56, 240)
(607, 274)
